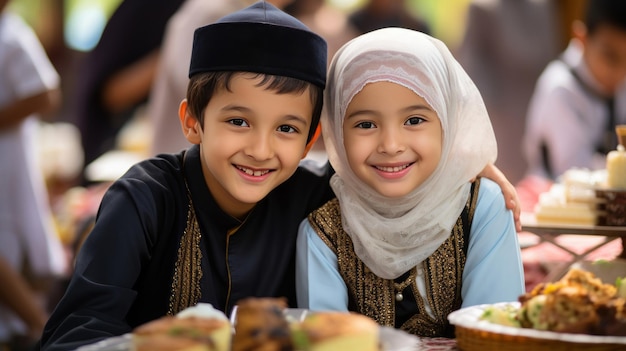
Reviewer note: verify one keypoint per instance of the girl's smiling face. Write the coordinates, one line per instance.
(393, 138)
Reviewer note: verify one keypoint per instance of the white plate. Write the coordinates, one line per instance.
(469, 317)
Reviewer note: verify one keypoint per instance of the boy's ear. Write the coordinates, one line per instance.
(579, 31)
(189, 123)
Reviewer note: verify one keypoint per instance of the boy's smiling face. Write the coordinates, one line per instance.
(252, 141)
(393, 138)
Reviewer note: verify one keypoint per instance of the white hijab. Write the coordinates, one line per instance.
(393, 235)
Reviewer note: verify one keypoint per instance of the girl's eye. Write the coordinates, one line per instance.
(287, 129)
(413, 121)
(238, 122)
(366, 125)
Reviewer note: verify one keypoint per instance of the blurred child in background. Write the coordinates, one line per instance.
(29, 89)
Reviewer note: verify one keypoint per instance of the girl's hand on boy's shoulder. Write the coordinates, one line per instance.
(508, 190)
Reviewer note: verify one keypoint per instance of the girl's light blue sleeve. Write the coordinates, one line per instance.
(319, 285)
(493, 269)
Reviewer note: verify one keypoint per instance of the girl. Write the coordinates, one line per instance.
(408, 238)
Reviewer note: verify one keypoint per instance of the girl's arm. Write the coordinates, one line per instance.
(319, 286)
(493, 270)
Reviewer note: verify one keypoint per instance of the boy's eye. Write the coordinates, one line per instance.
(238, 122)
(287, 129)
(366, 125)
(413, 121)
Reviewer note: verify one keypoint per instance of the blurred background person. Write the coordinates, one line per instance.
(17, 295)
(580, 96)
(115, 77)
(29, 90)
(377, 14)
(506, 45)
(323, 18)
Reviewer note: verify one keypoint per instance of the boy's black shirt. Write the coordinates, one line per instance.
(124, 271)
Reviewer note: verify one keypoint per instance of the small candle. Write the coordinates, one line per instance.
(616, 162)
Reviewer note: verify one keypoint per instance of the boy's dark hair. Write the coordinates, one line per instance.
(605, 12)
(203, 86)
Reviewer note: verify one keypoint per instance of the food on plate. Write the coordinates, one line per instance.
(620, 283)
(330, 331)
(198, 328)
(261, 325)
(504, 315)
(578, 303)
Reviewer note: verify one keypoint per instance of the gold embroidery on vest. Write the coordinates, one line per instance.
(474, 200)
(185, 290)
(375, 297)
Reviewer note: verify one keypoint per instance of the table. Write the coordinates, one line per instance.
(398, 340)
(394, 340)
(550, 231)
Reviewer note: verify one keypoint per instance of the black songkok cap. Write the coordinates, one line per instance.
(260, 39)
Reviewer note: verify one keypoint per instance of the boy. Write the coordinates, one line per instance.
(195, 209)
(580, 97)
(218, 222)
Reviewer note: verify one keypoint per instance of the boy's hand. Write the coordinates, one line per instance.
(508, 190)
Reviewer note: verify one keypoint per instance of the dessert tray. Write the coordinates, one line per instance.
(473, 334)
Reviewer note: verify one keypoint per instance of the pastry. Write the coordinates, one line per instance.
(198, 328)
(260, 324)
(330, 331)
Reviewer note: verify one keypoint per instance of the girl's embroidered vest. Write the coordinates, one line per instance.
(373, 296)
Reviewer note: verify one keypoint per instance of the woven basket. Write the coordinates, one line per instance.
(473, 334)
(479, 340)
